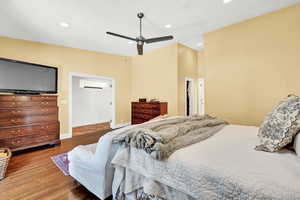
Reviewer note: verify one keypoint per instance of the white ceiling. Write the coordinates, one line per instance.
(38, 20)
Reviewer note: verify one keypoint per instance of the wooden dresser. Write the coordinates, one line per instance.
(144, 111)
(28, 121)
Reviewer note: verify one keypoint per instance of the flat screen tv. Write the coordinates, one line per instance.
(27, 78)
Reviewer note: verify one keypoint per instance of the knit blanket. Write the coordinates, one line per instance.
(161, 138)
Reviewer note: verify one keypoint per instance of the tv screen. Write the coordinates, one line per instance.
(22, 77)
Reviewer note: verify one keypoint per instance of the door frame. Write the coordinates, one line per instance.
(70, 94)
(185, 97)
(201, 96)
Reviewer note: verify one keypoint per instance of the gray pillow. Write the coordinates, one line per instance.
(280, 126)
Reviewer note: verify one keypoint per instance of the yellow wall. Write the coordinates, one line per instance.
(200, 64)
(157, 74)
(75, 60)
(187, 68)
(154, 75)
(250, 66)
(161, 74)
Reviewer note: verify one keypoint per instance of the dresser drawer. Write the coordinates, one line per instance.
(28, 120)
(26, 98)
(23, 112)
(144, 116)
(14, 98)
(146, 111)
(6, 133)
(30, 140)
(138, 121)
(44, 98)
(12, 104)
(145, 106)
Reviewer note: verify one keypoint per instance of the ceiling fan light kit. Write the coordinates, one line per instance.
(140, 40)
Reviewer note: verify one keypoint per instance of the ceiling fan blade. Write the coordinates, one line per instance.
(159, 39)
(122, 36)
(140, 49)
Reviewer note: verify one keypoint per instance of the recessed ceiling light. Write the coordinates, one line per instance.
(227, 1)
(64, 24)
(168, 26)
(200, 44)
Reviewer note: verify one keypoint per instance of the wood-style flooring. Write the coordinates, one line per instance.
(82, 130)
(32, 175)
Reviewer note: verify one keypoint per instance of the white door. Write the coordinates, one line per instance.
(201, 101)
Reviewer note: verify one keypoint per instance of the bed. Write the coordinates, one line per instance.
(224, 166)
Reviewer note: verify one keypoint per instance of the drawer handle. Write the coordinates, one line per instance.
(16, 111)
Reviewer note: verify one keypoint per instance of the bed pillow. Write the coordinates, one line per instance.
(297, 144)
(281, 125)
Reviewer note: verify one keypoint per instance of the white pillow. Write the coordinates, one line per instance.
(297, 144)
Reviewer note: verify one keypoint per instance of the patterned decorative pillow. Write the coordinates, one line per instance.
(280, 126)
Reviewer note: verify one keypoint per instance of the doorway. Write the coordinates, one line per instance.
(189, 103)
(92, 103)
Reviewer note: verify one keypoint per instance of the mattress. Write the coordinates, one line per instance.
(228, 162)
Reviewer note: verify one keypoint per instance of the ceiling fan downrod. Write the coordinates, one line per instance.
(140, 16)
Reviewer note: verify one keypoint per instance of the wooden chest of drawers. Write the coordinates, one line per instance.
(144, 111)
(28, 121)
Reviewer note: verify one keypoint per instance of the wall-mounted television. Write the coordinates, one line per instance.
(27, 78)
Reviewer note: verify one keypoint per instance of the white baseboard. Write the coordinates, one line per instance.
(65, 136)
(121, 125)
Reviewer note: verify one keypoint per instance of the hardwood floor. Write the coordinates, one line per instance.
(81, 130)
(32, 175)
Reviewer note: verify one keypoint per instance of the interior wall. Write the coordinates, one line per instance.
(250, 66)
(187, 68)
(154, 75)
(90, 106)
(75, 60)
(200, 64)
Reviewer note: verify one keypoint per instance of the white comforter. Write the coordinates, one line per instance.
(228, 167)
(225, 166)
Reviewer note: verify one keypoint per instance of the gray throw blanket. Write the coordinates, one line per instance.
(161, 138)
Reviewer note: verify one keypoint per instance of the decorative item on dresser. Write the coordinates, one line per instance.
(145, 111)
(28, 121)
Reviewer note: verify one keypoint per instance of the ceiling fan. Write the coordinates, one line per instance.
(140, 40)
